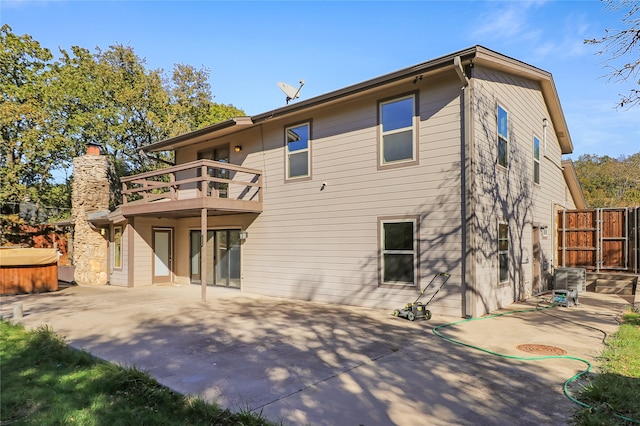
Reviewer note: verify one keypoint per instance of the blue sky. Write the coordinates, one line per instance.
(250, 46)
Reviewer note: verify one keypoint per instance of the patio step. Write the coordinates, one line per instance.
(623, 287)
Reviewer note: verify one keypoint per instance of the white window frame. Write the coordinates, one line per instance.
(502, 138)
(414, 251)
(503, 252)
(536, 161)
(413, 127)
(289, 154)
(117, 247)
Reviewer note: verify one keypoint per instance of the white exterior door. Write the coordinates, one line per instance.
(162, 255)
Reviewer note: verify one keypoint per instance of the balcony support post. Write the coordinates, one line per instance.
(203, 253)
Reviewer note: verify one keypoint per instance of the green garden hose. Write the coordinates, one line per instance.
(535, 358)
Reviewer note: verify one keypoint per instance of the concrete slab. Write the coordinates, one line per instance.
(320, 364)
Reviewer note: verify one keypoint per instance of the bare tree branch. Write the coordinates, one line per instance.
(622, 48)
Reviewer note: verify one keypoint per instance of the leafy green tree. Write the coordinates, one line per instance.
(610, 182)
(24, 154)
(135, 107)
(50, 110)
(191, 105)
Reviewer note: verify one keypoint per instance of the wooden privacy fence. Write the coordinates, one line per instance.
(603, 239)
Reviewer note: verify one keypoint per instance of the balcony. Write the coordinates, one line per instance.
(186, 189)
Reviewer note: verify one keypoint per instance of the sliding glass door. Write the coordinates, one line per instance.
(223, 258)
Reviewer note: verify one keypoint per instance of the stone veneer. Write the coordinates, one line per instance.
(90, 194)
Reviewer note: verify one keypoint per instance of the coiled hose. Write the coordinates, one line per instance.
(567, 393)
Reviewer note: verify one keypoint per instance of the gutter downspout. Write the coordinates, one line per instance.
(467, 192)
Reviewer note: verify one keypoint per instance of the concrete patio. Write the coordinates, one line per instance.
(319, 364)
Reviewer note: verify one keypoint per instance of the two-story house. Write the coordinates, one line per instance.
(361, 195)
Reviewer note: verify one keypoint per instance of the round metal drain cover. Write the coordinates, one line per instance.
(542, 349)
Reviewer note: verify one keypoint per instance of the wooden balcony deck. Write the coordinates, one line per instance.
(186, 189)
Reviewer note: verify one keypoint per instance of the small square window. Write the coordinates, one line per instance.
(298, 147)
(397, 131)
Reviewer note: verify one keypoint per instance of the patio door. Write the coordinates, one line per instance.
(223, 264)
(220, 154)
(162, 255)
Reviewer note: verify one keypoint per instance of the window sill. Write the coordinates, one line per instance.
(403, 286)
(398, 164)
(297, 179)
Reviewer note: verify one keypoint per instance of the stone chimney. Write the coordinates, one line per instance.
(90, 194)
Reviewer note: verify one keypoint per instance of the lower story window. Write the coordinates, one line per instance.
(398, 251)
(503, 252)
(117, 247)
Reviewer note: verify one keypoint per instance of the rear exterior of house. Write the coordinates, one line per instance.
(362, 195)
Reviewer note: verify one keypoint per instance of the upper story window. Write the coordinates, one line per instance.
(503, 136)
(298, 148)
(398, 131)
(536, 160)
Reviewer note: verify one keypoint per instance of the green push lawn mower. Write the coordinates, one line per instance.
(418, 310)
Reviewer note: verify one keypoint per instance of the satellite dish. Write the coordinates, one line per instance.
(290, 91)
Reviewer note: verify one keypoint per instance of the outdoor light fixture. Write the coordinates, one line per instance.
(545, 231)
(545, 122)
(244, 235)
(237, 148)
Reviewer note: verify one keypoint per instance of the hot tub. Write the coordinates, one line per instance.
(28, 270)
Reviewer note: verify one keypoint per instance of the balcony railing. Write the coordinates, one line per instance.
(191, 186)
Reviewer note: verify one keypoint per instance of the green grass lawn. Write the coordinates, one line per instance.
(614, 394)
(44, 381)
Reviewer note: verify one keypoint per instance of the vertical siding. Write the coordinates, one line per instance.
(510, 194)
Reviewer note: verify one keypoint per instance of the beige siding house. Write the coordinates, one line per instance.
(360, 196)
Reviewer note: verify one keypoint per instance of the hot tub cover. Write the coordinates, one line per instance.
(27, 256)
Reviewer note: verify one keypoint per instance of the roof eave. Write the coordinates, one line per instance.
(475, 53)
(571, 178)
(547, 85)
(199, 135)
(232, 124)
(410, 72)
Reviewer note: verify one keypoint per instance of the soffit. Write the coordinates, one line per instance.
(240, 123)
(476, 54)
(571, 178)
(213, 131)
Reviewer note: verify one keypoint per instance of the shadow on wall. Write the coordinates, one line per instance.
(502, 195)
(499, 195)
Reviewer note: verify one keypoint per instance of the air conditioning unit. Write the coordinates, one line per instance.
(570, 279)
